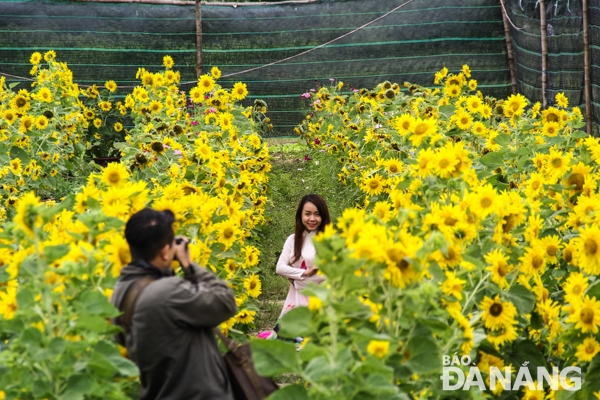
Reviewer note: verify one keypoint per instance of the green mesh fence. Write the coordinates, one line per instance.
(103, 41)
(564, 33)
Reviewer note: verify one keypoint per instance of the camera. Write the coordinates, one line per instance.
(180, 240)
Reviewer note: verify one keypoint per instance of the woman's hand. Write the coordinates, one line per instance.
(310, 272)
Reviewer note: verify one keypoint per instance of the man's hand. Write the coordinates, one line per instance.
(182, 253)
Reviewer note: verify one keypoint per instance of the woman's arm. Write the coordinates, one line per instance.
(284, 264)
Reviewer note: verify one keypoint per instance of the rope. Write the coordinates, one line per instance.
(275, 62)
(508, 18)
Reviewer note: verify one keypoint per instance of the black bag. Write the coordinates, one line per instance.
(245, 381)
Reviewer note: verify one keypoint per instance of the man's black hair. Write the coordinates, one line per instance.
(148, 231)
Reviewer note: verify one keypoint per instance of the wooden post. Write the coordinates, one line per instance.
(544, 51)
(586, 69)
(198, 39)
(509, 49)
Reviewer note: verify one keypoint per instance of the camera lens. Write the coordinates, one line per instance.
(178, 241)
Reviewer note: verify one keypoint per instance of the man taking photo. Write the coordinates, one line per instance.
(168, 320)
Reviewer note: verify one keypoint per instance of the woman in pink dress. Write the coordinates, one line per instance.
(297, 260)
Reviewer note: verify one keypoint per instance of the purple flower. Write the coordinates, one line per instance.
(331, 80)
(305, 95)
(177, 152)
(317, 141)
(306, 158)
(194, 122)
(211, 110)
(312, 90)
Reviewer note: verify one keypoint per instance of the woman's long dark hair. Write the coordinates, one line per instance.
(299, 229)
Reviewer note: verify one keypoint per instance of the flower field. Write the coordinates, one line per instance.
(62, 245)
(476, 246)
(476, 243)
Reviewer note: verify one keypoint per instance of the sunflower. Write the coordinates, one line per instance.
(20, 103)
(552, 244)
(452, 91)
(588, 250)
(562, 100)
(197, 95)
(206, 83)
(378, 348)
(15, 166)
(586, 315)
(485, 201)
(168, 62)
(245, 317)
(498, 267)
(587, 350)
(114, 174)
(424, 166)
(404, 124)
(253, 285)
(453, 286)
(111, 86)
(478, 128)
(472, 84)
(474, 104)
(557, 163)
(8, 302)
(372, 185)
(393, 166)
(215, 72)
(575, 287)
(26, 217)
(551, 114)
(444, 163)
(421, 129)
(155, 106)
(225, 121)
(9, 116)
(227, 232)
(36, 58)
(463, 120)
(97, 123)
(575, 181)
(550, 129)
(534, 260)
(41, 122)
(515, 105)
(105, 106)
(239, 91)
(382, 210)
(118, 127)
(496, 313)
(27, 123)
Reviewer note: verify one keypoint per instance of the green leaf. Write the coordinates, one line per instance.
(77, 386)
(320, 369)
(447, 109)
(523, 299)
(493, 160)
(274, 357)
(526, 353)
(425, 355)
(17, 152)
(579, 134)
(95, 303)
(503, 139)
(93, 323)
(13, 85)
(290, 392)
(53, 253)
(592, 383)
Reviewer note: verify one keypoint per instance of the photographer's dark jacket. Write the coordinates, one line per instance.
(171, 338)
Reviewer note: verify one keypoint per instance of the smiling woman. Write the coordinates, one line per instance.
(296, 261)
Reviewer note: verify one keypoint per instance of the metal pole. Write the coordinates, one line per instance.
(509, 49)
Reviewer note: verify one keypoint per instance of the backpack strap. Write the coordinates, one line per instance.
(127, 306)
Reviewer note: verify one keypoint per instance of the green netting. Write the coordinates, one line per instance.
(103, 41)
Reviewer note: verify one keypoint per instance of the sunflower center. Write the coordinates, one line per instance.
(393, 169)
(557, 162)
(20, 102)
(444, 163)
(552, 250)
(552, 117)
(227, 233)
(403, 265)
(577, 289)
(496, 309)
(535, 185)
(537, 262)
(567, 255)
(591, 247)
(421, 128)
(374, 184)
(449, 221)
(576, 181)
(252, 285)
(587, 315)
(485, 202)
(114, 177)
(502, 269)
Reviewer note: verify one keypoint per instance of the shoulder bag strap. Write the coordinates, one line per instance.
(128, 304)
